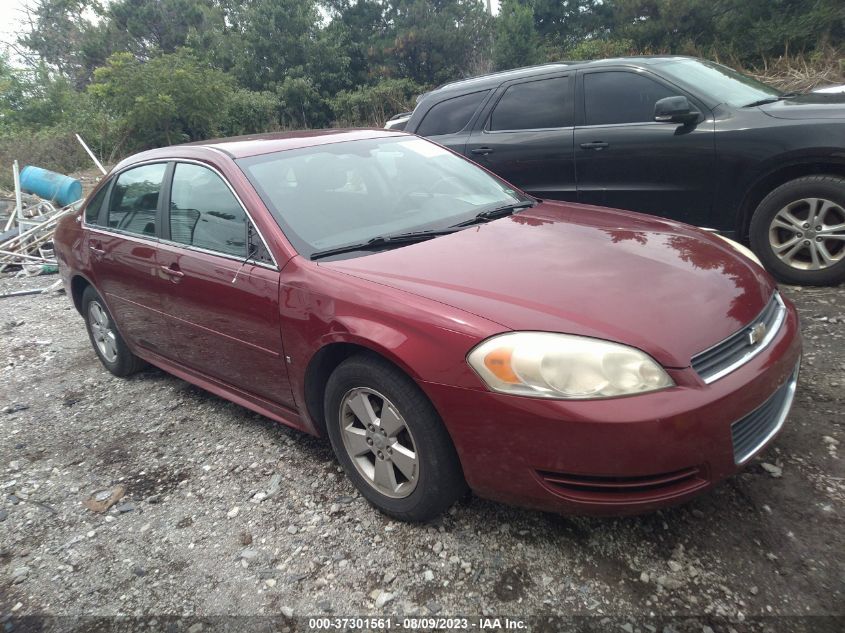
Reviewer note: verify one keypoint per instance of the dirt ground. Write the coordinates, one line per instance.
(226, 513)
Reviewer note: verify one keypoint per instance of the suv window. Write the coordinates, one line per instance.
(450, 116)
(533, 105)
(134, 199)
(92, 211)
(621, 97)
(204, 213)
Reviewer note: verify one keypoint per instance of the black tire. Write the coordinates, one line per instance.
(439, 478)
(125, 362)
(831, 188)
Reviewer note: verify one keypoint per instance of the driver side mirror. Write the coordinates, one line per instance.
(675, 110)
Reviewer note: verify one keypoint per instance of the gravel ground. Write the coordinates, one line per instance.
(227, 513)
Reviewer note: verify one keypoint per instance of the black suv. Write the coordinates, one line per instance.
(674, 136)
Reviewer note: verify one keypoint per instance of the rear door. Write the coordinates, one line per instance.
(626, 160)
(122, 242)
(447, 122)
(222, 297)
(526, 136)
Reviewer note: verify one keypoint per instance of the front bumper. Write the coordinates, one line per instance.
(620, 455)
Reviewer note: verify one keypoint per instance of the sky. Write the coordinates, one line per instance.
(10, 18)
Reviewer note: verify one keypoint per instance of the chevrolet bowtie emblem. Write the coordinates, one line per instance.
(756, 334)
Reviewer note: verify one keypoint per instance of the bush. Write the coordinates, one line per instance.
(373, 105)
(600, 49)
(248, 112)
(169, 99)
(52, 149)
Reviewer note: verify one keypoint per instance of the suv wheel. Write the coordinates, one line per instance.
(106, 340)
(798, 231)
(390, 440)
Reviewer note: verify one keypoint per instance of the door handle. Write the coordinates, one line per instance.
(483, 151)
(172, 272)
(99, 252)
(596, 145)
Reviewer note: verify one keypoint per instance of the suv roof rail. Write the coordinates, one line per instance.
(501, 72)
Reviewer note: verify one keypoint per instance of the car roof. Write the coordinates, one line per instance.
(494, 79)
(256, 144)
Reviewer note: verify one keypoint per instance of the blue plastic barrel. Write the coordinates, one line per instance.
(51, 186)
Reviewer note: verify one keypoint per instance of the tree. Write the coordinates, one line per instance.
(517, 41)
(434, 41)
(57, 32)
(172, 98)
(147, 27)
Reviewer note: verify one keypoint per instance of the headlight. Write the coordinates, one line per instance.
(741, 249)
(547, 365)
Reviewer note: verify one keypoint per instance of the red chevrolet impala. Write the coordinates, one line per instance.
(442, 328)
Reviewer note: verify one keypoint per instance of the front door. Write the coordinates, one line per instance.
(222, 297)
(122, 244)
(527, 137)
(626, 160)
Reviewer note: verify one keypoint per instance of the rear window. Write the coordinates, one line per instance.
(534, 105)
(134, 199)
(92, 211)
(452, 115)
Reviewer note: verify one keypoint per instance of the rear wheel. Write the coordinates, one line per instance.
(798, 231)
(390, 440)
(106, 340)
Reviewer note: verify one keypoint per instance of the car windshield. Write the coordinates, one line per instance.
(332, 195)
(719, 82)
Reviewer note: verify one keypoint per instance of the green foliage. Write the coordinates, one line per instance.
(373, 105)
(172, 98)
(434, 42)
(248, 112)
(300, 104)
(600, 49)
(517, 41)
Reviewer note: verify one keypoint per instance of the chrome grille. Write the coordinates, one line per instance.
(739, 348)
(758, 427)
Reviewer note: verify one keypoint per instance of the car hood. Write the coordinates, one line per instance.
(664, 287)
(810, 106)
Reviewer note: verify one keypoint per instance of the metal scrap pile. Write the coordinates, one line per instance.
(26, 239)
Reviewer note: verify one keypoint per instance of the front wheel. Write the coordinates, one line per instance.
(798, 231)
(390, 440)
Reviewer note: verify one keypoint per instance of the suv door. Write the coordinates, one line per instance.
(222, 298)
(527, 137)
(624, 159)
(446, 122)
(122, 241)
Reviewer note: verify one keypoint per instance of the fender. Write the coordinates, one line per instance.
(777, 170)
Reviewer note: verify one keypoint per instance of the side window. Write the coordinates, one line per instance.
(134, 199)
(450, 116)
(621, 97)
(533, 105)
(204, 213)
(92, 211)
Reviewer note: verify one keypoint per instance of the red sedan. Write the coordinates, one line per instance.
(442, 328)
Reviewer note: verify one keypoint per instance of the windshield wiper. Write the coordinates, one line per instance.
(786, 95)
(498, 212)
(383, 240)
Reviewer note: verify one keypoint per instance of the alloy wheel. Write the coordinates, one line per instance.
(379, 442)
(102, 332)
(809, 234)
